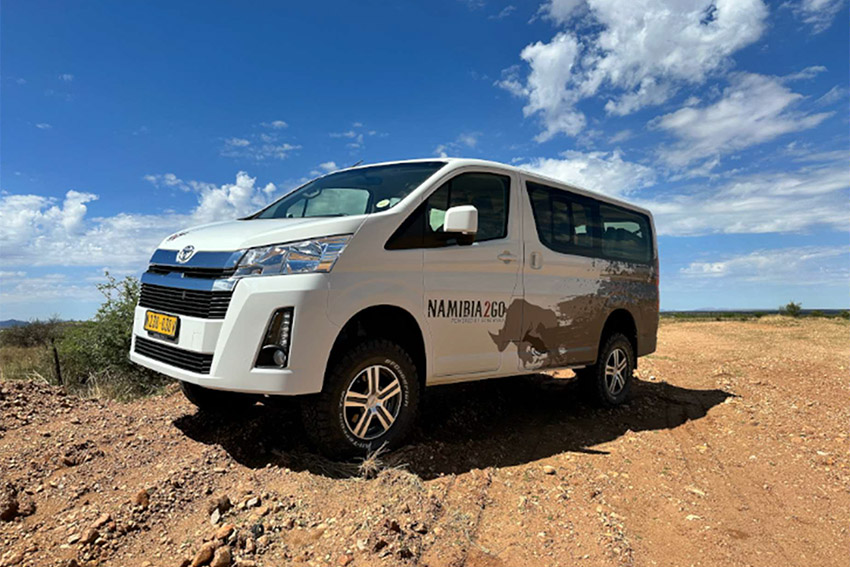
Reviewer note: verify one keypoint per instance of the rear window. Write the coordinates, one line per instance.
(625, 234)
(575, 224)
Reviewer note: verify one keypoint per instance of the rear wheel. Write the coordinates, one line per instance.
(609, 381)
(369, 400)
(215, 401)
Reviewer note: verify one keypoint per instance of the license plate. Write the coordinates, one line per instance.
(161, 324)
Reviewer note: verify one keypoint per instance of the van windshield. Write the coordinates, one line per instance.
(352, 192)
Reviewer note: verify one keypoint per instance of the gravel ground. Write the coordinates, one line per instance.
(732, 451)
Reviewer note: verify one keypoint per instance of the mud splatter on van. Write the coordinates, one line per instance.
(556, 335)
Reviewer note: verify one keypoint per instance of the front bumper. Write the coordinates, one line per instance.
(235, 340)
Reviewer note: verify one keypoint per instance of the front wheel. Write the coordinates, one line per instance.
(369, 400)
(609, 381)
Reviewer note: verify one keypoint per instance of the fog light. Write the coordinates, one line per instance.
(279, 357)
(274, 351)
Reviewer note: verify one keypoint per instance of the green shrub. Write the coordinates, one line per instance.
(34, 334)
(94, 354)
(791, 309)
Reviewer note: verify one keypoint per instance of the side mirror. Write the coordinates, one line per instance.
(463, 222)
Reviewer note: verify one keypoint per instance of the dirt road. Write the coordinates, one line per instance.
(733, 451)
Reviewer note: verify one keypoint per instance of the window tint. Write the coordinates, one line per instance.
(564, 221)
(574, 224)
(489, 193)
(625, 234)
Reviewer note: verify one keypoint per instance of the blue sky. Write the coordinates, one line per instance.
(123, 121)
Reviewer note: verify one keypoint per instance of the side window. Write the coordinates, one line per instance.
(563, 221)
(488, 192)
(625, 234)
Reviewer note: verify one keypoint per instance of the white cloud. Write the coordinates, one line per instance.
(165, 180)
(752, 110)
(503, 13)
(545, 88)
(465, 140)
(323, 168)
(6, 275)
(474, 4)
(621, 136)
(237, 142)
(346, 134)
(638, 53)
(40, 231)
(804, 265)
(43, 126)
(819, 14)
(47, 288)
(807, 73)
(469, 140)
(833, 95)
(355, 137)
(261, 148)
(602, 172)
(356, 134)
(67, 77)
(275, 124)
(765, 202)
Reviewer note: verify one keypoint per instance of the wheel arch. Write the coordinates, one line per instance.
(371, 322)
(620, 320)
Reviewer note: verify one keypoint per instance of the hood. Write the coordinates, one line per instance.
(240, 234)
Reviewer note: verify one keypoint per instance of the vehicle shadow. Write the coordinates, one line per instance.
(494, 423)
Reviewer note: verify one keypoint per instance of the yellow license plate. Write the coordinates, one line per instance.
(162, 324)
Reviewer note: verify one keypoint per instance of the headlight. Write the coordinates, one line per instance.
(306, 256)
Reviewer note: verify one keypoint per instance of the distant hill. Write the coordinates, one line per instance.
(11, 323)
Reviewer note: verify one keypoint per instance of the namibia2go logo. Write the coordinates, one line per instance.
(467, 309)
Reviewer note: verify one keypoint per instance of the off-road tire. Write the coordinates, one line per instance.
(324, 414)
(216, 401)
(593, 381)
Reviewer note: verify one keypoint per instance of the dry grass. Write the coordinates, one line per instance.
(372, 464)
(36, 363)
(26, 363)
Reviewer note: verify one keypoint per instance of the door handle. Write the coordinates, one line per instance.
(506, 257)
(536, 260)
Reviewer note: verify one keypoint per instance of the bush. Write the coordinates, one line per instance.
(34, 334)
(94, 354)
(29, 351)
(791, 309)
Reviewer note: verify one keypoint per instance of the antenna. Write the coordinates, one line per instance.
(356, 164)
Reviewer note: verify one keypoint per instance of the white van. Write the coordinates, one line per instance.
(363, 286)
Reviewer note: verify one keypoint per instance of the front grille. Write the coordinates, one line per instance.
(185, 359)
(193, 272)
(203, 304)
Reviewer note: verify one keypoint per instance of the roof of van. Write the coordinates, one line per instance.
(457, 162)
